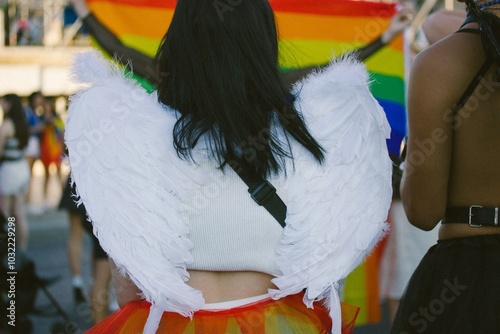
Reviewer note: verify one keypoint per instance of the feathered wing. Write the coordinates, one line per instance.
(336, 211)
(134, 186)
(132, 183)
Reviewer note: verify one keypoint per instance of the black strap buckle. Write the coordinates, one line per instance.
(471, 214)
(262, 192)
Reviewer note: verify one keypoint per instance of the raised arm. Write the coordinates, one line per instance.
(144, 67)
(142, 63)
(398, 23)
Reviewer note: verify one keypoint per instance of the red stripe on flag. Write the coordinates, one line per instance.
(335, 7)
(320, 7)
(167, 4)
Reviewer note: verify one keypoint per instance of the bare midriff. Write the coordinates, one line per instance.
(220, 286)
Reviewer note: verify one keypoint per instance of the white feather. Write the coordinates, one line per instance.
(89, 68)
(336, 211)
(132, 183)
(134, 186)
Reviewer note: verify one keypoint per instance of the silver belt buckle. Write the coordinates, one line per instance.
(471, 214)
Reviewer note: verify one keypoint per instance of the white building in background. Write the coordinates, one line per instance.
(38, 59)
(25, 69)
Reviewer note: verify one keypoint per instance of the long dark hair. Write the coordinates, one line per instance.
(219, 67)
(489, 27)
(31, 99)
(16, 114)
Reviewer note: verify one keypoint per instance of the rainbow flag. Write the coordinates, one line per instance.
(311, 32)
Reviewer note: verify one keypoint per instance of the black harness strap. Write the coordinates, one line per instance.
(479, 75)
(263, 193)
(472, 86)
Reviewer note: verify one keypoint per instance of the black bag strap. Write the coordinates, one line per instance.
(468, 19)
(473, 84)
(263, 193)
(479, 75)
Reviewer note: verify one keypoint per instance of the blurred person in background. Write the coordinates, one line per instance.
(76, 219)
(51, 144)
(14, 169)
(34, 112)
(101, 273)
(22, 31)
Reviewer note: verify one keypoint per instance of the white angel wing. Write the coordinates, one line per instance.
(133, 184)
(336, 211)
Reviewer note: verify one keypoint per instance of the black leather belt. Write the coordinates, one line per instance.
(474, 215)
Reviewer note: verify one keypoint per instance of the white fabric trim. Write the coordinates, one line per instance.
(220, 306)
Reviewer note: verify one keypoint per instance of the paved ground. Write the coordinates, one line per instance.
(47, 249)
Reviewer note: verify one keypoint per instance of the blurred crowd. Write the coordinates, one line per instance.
(39, 23)
(32, 150)
(31, 132)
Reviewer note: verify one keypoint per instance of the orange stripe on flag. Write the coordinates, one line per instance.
(349, 29)
(130, 20)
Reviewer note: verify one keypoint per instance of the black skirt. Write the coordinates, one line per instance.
(68, 203)
(68, 199)
(455, 289)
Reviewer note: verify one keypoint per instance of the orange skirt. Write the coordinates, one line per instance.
(287, 315)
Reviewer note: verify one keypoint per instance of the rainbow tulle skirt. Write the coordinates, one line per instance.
(288, 315)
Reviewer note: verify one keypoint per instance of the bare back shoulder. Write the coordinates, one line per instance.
(438, 149)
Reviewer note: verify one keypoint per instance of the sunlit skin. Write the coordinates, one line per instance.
(215, 286)
(449, 165)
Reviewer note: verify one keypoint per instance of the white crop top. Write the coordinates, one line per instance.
(229, 231)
